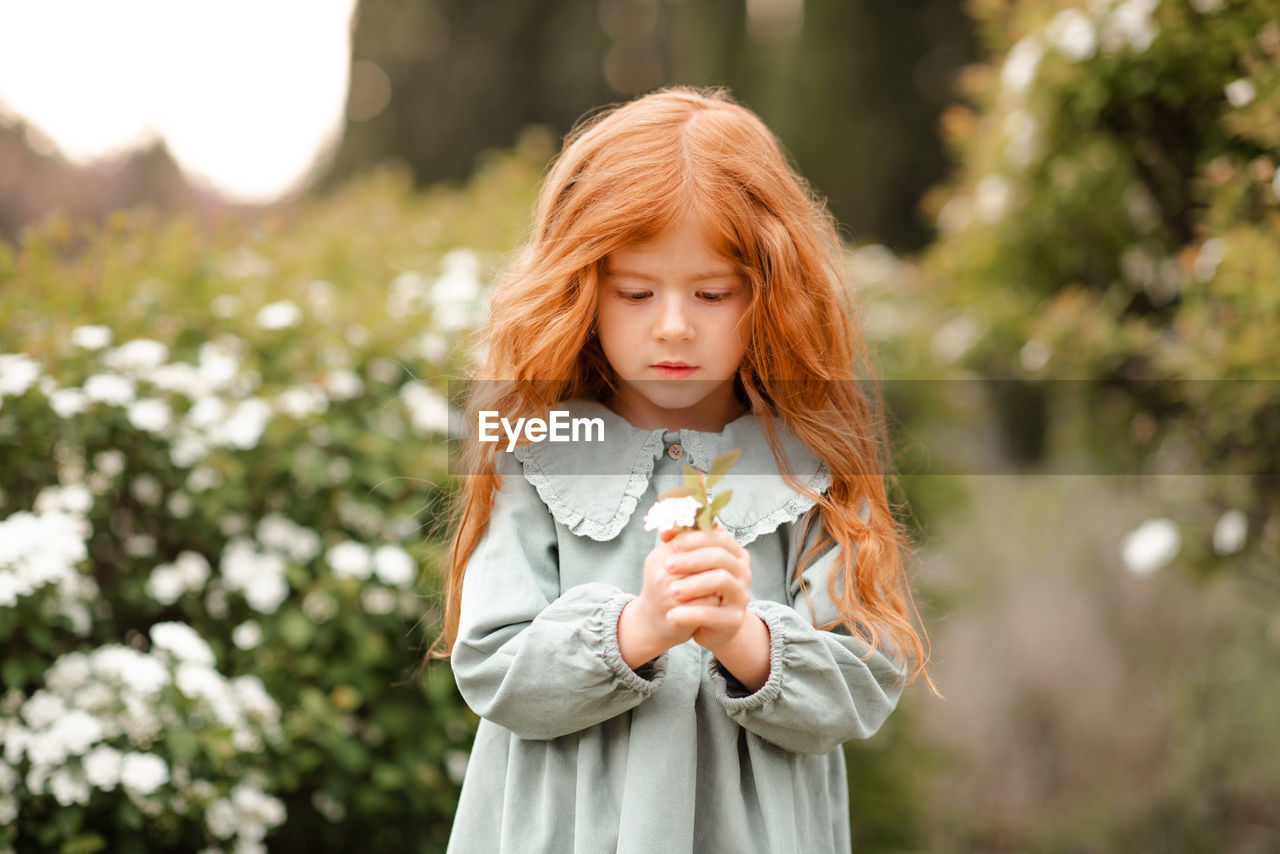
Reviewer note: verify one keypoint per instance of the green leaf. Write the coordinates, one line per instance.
(88, 843)
(720, 465)
(720, 501)
(693, 482)
(678, 492)
(705, 521)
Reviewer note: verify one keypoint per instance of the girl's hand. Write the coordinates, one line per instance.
(711, 585)
(644, 630)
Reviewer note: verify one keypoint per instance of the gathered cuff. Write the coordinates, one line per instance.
(732, 694)
(645, 680)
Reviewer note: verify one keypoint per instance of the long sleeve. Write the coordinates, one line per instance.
(820, 692)
(540, 663)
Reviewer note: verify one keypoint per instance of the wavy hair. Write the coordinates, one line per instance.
(623, 176)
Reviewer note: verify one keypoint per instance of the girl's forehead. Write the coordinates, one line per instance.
(690, 238)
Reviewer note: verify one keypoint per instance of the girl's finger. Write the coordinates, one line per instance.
(713, 582)
(700, 617)
(689, 540)
(701, 560)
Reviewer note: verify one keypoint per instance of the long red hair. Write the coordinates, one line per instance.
(625, 175)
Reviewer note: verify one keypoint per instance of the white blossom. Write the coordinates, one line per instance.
(279, 315)
(1241, 92)
(991, 198)
(377, 600)
(111, 389)
(1150, 546)
(17, 373)
(1019, 69)
(285, 536)
(219, 361)
(350, 559)
(1071, 32)
(343, 384)
(1230, 532)
(102, 767)
(247, 635)
(953, 339)
(67, 788)
(671, 513)
(91, 337)
(302, 401)
(182, 642)
(428, 410)
(68, 402)
(1130, 24)
(137, 358)
(150, 414)
(244, 428)
(143, 772)
(259, 576)
(394, 566)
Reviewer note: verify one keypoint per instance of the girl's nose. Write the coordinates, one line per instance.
(673, 322)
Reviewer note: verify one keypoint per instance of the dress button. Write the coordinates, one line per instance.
(675, 452)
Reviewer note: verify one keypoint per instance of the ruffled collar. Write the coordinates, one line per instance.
(593, 488)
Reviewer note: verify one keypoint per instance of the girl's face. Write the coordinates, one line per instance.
(669, 320)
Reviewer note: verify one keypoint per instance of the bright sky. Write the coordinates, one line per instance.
(246, 93)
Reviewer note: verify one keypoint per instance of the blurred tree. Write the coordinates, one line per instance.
(854, 89)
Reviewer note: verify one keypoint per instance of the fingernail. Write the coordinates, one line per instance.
(674, 589)
(668, 564)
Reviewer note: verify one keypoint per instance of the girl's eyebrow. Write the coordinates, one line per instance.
(700, 277)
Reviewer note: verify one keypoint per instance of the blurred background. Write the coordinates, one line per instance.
(242, 252)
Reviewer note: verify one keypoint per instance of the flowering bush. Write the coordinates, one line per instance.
(223, 465)
(1116, 220)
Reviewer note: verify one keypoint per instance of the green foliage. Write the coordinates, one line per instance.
(1111, 241)
(237, 428)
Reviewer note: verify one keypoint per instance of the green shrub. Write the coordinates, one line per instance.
(223, 475)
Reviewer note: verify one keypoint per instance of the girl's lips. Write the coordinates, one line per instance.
(673, 373)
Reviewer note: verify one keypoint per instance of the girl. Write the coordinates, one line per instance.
(690, 694)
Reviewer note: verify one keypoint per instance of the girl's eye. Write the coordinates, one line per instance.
(713, 296)
(633, 296)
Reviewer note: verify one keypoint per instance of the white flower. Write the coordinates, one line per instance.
(110, 389)
(279, 315)
(459, 282)
(245, 426)
(182, 642)
(283, 535)
(68, 402)
(165, 584)
(302, 401)
(343, 384)
(393, 566)
(671, 513)
(258, 575)
(350, 559)
(1019, 69)
(1023, 133)
(102, 767)
(1209, 256)
(1130, 23)
(377, 600)
(143, 772)
(247, 635)
(17, 373)
(1071, 32)
(219, 362)
(91, 337)
(428, 410)
(953, 339)
(179, 377)
(1230, 532)
(68, 789)
(1150, 546)
(991, 198)
(150, 414)
(137, 358)
(1240, 92)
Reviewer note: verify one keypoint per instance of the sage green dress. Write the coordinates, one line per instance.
(577, 752)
